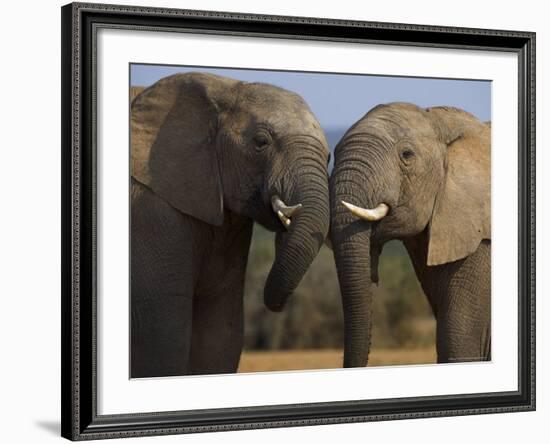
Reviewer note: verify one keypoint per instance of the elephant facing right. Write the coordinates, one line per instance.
(422, 176)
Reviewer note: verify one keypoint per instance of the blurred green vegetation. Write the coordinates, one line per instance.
(313, 317)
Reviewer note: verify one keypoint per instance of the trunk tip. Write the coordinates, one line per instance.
(272, 302)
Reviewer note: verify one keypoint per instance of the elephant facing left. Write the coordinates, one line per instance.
(209, 156)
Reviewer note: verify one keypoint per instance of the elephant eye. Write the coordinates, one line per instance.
(261, 141)
(407, 154)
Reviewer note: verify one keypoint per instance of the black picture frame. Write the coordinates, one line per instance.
(78, 333)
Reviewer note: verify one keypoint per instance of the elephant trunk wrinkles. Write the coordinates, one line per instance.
(350, 238)
(297, 247)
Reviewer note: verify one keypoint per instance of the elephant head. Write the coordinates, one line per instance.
(213, 146)
(401, 172)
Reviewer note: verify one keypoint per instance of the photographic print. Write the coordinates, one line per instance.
(278, 221)
(285, 220)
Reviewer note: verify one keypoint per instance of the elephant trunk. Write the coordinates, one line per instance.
(298, 245)
(351, 240)
(351, 247)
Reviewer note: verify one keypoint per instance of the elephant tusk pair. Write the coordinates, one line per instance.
(283, 211)
(372, 215)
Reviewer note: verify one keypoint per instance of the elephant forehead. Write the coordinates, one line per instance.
(276, 104)
(288, 122)
(395, 125)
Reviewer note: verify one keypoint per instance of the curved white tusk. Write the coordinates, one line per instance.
(278, 205)
(371, 215)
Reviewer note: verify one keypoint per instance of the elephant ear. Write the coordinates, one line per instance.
(173, 152)
(462, 212)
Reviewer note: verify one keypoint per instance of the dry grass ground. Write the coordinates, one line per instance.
(252, 361)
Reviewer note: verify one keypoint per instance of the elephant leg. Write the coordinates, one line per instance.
(464, 316)
(458, 341)
(162, 287)
(217, 338)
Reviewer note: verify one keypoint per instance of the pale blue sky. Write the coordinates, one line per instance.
(339, 100)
